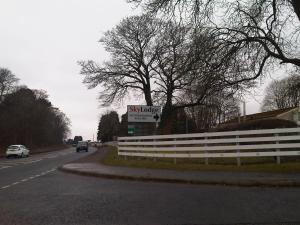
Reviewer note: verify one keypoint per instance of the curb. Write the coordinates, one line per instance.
(239, 183)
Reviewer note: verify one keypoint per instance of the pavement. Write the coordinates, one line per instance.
(34, 192)
(90, 168)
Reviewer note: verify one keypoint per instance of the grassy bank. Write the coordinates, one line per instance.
(112, 159)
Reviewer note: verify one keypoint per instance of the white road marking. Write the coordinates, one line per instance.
(27, 179)
(4, 167)
(32, 161)
(4, 187)
(6, 163)
(17, 162)
(9, 164)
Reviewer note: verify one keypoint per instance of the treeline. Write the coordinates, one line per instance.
(283, 93)
(279, 94)
(198, 119)
(27, 116)
(108, 126)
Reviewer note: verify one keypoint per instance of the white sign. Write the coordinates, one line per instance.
(143, 113)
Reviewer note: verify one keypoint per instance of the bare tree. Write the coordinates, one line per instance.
(164, 64)
(7, 82)
(130, 45)
(296, 5)
(193, 9)
(189, 64)
(282, 94)
(218, 109)
(203, 8)
(260, 31)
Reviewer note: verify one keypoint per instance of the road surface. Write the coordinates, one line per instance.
(33, 191)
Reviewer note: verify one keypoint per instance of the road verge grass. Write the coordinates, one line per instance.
(112, 159)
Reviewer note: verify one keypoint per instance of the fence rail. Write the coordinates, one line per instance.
(233, 144)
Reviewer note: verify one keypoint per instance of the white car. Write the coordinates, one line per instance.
(17, 150)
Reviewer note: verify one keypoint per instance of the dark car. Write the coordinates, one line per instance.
(82, 146)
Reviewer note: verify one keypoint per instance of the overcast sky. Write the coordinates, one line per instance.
(42, 40)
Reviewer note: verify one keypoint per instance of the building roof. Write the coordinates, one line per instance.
(262, 115)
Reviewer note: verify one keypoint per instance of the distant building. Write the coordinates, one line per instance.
(288, 114)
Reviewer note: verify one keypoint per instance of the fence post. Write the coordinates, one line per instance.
(277, 150)
(206, 159)
(125, 156)
(175, 161)
(138, 158)
(238, 159)
(154, 159)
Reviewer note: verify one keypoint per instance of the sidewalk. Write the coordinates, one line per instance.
(191, 177)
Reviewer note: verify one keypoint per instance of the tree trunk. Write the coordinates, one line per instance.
(296, 5)
(148, 98)
(168, 118)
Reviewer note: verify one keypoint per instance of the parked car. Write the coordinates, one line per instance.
(82, 146)
(17, 151)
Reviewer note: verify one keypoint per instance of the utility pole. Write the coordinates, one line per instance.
(244, 111)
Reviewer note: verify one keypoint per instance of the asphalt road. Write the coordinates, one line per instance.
(33, 192)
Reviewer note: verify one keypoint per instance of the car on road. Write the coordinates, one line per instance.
(82, 146)
(17, 151)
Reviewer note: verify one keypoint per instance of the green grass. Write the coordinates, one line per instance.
(112, 159)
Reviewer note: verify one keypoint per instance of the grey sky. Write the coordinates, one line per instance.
(42, 40)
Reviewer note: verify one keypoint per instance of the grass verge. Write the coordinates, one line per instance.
(112, 159)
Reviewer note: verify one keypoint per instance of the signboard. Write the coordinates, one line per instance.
(143, 113)
(130, 129)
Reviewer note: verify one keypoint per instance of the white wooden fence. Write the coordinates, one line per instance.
(233, 144)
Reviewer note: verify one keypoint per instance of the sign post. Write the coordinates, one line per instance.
(131, 129)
